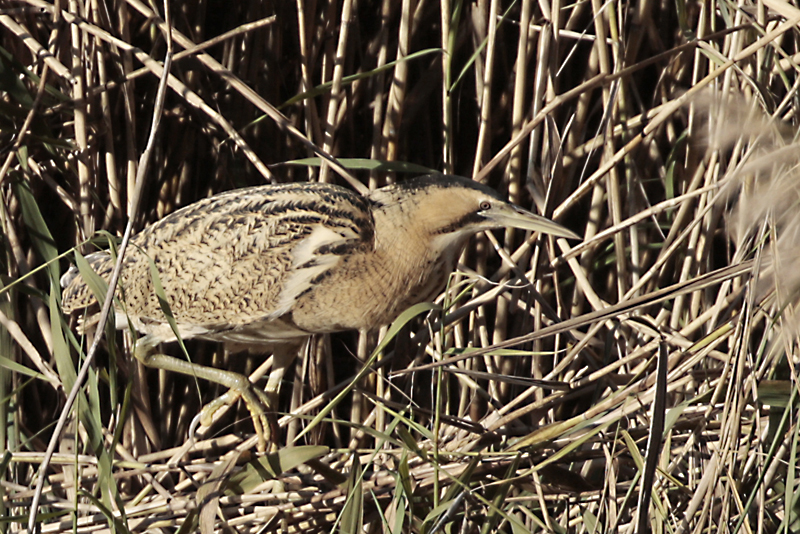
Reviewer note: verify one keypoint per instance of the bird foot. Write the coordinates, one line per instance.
(257, 402)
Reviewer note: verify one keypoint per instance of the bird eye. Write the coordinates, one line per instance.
(485, 205)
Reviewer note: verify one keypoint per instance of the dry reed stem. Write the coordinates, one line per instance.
(589, 112)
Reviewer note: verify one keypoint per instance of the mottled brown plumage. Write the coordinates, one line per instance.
(266, 266)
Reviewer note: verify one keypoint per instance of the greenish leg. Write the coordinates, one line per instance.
(258, 402)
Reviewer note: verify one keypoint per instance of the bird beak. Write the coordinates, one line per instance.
(513, 216)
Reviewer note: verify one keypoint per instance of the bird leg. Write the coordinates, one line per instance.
(257, 401)
(281, 359)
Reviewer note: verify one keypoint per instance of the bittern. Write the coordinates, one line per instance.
(262, 269)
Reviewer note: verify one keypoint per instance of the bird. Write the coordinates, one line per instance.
(262, 269)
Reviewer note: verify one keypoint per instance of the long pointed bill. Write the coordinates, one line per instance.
(516, 217)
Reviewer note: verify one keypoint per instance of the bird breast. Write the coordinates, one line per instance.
(372, 288)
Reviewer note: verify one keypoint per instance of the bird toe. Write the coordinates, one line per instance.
(257, 403)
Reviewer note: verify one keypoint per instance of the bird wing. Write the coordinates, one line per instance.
(239, 258)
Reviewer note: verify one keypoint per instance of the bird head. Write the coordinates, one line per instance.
(453, 208)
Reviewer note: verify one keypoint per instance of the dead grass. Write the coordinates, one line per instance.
(663, 133)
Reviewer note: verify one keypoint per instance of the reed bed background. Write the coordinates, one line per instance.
(662, 132)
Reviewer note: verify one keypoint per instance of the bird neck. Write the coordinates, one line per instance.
(406, 265)
(415, 260)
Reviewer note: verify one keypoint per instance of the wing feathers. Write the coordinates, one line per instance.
(239, 258)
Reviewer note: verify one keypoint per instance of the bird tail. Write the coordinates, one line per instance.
(77, 294)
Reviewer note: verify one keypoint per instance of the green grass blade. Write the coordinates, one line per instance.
(364, 164)
(399, 323)
(326, 87)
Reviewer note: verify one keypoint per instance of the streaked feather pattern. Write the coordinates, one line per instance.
(273, 263)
